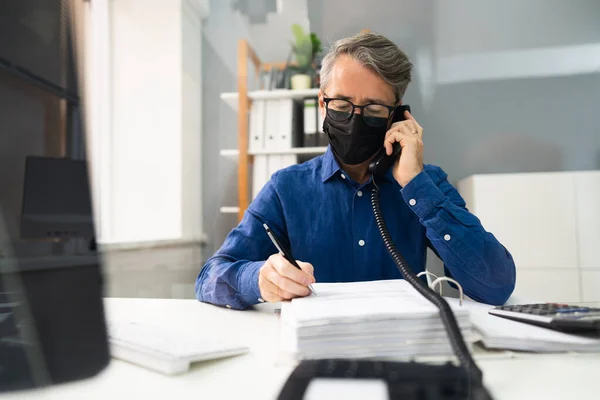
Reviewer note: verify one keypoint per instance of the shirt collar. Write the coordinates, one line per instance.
(330, 167)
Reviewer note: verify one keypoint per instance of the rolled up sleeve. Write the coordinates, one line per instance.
(230, 277)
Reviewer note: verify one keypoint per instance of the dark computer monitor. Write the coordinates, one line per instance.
(52, 324)
(56, 201)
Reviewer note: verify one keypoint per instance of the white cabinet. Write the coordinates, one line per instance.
(550, 222)
(587, 210)
(557, 285)
(590, 285)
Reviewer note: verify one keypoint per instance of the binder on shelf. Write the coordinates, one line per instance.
(298, 123)
(260, 174)
(310, 122)
(283, 138)
(257, 126)
(322, 139)
(271, 124)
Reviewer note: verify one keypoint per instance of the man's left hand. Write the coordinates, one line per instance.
(410, 136)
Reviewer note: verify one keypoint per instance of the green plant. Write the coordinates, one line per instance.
(306, 47)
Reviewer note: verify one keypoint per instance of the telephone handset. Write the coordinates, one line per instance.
(382, 162)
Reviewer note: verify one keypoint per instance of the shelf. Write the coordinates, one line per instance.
(231, 98)
(230, 153)
(229, 210)
(233, 153)
(294, 150)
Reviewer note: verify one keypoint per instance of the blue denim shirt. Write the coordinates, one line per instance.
(326, 219)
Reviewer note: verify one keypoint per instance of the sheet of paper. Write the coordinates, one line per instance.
(364, 301)
(504, 333)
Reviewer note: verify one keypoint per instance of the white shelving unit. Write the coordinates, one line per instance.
(231, 98)
(230, 153)
(229, 210)
(294, 151)
(233, 153)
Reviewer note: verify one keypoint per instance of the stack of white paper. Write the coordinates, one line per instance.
(502, 333)
(381, 319)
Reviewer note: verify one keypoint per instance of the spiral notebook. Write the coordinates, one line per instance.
(501, 333)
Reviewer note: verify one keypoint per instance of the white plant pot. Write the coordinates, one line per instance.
(301, 81)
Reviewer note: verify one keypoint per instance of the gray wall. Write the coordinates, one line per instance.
(508, 125)
(22, 113)
(503, 125)
(225, 25)
(222, 30)
(468, 26)
(28, 123)
(32, 35)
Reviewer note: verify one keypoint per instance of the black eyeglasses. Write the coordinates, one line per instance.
(341, 110)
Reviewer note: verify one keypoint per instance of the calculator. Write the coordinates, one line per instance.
(560, 317)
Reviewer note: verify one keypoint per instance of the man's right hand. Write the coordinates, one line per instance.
(279, 280)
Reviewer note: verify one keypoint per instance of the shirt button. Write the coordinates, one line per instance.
(447, 237)
(361, 242)
(228, 306)
(260, 300)
(359, 193)
(412, 202)
(343, 176)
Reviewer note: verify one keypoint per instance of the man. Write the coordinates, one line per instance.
(322, 210)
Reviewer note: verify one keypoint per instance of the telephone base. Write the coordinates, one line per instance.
(405, 380)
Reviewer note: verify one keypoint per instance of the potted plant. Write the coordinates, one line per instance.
(305, 49)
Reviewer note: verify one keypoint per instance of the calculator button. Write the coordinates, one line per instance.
(547, 312)
(540, 312)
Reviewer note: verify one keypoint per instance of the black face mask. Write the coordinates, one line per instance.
(353, 141)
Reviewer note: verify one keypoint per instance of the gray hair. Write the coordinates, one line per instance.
(376, 52)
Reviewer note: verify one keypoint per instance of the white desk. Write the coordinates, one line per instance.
(261, 373)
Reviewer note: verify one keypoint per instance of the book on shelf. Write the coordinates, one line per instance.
(311, 120)
(298, 123)
(322, 139)
(285, 119)
(257, 126)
